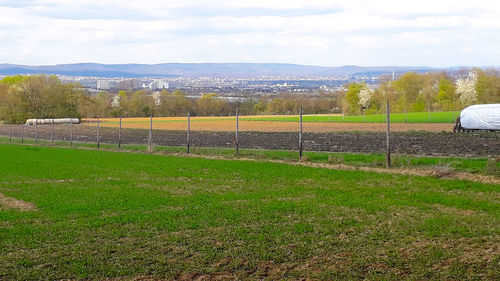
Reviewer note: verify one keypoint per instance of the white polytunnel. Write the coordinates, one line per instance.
(481, 117)
(53, 121)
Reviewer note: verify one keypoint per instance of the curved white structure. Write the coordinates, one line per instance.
(481, 117)
(55, 121)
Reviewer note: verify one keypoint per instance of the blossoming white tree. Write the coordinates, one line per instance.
(115, 103)
(364, 96)
(466, 89)
(157, 98)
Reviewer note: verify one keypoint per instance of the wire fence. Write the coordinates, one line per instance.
(274, 132)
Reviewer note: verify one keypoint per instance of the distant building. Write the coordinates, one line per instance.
(158, 85)
(128, 84)
(103, 85)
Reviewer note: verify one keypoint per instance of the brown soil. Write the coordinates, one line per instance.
(225, 125)
(13, 203)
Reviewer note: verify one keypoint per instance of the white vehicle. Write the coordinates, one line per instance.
(52, 121)
(479, 117)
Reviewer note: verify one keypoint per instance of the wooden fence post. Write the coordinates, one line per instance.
(237, 130)
(150, 139)
(388, 109)
(98, 132)
(36, 130)
(120, 134)
(52, 132)
(188, 133)
(71, 140)
(300, 134)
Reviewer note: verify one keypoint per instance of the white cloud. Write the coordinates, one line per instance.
(321, 32)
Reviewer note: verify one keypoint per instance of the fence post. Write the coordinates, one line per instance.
(237, 130)
(120, 134)
(388, 109)
(52, 131)
(36, 130)
(188, 133)
(98, 132)
(150, 139)
(71, 140)
(300, 134)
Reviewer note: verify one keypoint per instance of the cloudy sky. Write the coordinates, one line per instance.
(312, 32)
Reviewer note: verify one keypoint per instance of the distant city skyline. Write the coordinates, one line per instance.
(316, 32)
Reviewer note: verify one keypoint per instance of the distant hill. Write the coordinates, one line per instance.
(196, 70)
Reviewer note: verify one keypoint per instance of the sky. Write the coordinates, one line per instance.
(438, 33)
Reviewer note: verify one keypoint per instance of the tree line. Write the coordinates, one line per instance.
(43, 96)
(413, 92)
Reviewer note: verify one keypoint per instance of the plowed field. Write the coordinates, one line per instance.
(223, 124)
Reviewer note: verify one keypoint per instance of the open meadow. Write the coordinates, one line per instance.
(88, 214)
(322, 123)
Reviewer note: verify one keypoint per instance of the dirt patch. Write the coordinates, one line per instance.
(411, 172)
(13, 203)
(211, 276)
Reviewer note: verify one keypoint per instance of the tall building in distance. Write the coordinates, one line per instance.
(158, 85)
(103, 85)
(129, 84)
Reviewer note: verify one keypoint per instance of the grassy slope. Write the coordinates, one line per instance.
(104, 214)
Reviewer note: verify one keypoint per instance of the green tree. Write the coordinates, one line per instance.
(446, 95)
(209, 105)
(175, 103)
(140, 104)
(408, 87)
(13, 80)
(102, 103)
(488, 86)
(260, 106)
(352, 97)
(38, 96)
(282, 106)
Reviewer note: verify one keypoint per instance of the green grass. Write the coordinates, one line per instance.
(109, 214)
(411, 117)
(480, 165)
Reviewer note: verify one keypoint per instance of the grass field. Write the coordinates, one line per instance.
(74, 214)
(421, 121)
(479, 165)
(412, 117)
